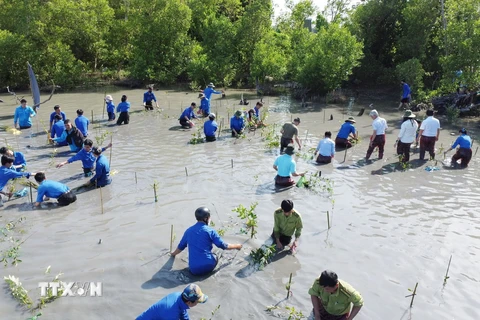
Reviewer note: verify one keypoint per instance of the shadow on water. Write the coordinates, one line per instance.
(271, 188)
(179, 128)
(359, 164)
(72, 178)
(397, 166)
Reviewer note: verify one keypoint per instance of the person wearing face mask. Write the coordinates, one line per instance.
(199, 239)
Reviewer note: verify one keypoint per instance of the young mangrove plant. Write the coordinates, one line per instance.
(294, 314)
(18, 292)
(250, 218)
(213, 313)
(197, 137)
(100, 137)
(271, 136)
(262, 256)
(49, 296)
(155, 188)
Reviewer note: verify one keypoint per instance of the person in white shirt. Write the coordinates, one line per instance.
(325, 149)
(378, 137)
(407, 135)
(429, 133)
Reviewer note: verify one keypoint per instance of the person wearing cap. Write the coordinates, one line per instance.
(209, 90)
(124, 108)
(187, 116)
(325, 149)
(110, 107)
(23, 115)
(86, 156)
(406, 95)
(429, 133)
(237, 123)
(102, 170)
(72, 136)
(175, 305)
(82, 122)
(377, 139)
(7, 173)
(289, 131)
(464, 152)
(57, 110)
(148, 97)
(347, 130)
(286, 168)
(210, 127)
(204, 105)
(19, 162)
(52, 189)
(332, 298)
(252, 120)
(406, 136)
(57, 129)
(257, 108)
(199, 239)
(287, 222)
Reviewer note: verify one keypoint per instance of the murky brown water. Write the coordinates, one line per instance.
(390, 229)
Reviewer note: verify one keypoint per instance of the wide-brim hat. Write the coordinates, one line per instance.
(409, 114)
(238, 113)
(350, 119)
(211, 85)
(108, 98)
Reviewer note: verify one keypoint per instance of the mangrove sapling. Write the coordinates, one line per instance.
(250, 216)
(18, 292)
(414, 293)
(213, 313)
(289, 286)
(262, 256)
(101, 136)
(197, 137)
(35, 317)
(51, 163)
(294, 314)
(448, 269)
(271, 137)
(101, 199)
(50, 294)
(155, 187)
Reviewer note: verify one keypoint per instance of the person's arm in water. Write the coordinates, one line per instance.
(316, 307)
(276, 230)
(181, 246)
(298, 142)
(355, 311)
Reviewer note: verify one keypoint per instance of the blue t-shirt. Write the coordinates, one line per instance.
(57, 131)
(7, 174)
(102, 172)
(345, 130)
(326, 147)
(110, 106)
(19, 160)
(22, 115)
(81, 122)
(209, 128)
(406, 91)
(52, 116)
(188, 112)
(208, 93)
(257, 112)
(87, 158)
(149, 96)
(199, 239)
(285, 165)
(170, 307)
(237, 123)
(464, 141)
(205, 105)
(51, 189)
(123, 106)
(63, 139)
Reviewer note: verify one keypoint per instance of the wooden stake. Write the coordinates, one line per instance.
(101, 198)
(220, 129)
(324, 115)
(155, 191)
(136, 182)
(328, 219)
(289, 286)
(171, 238)
(414, 294)
(476, 151)
(92, 115)
(232, 163)
(103, 104)
(111, 151)
(446, 274)
(31, 195)
(186, 171)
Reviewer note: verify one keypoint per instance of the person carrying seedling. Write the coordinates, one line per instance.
(333, 298)
(287, 221)
(286, 168)
(175, 305)
(199, 239)
(187, 116)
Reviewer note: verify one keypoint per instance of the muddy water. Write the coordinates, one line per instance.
(390, 229)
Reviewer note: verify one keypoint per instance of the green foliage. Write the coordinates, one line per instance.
(8, 234)
(50, 297)
(294, 314)
(271, 136)
(197, 137)
(452, 115)
(213, 313)
(262, 256)
(18, 292)
(271, 57)
(250, 218)
(412, 72)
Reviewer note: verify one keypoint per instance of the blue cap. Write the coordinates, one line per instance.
(193, 293)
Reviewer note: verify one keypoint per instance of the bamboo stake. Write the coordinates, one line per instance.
(414, 294)
(186, 171)
(220, 129)
(171, 238)
(111, 151)
(92, 115)
(31, 195)
(155, 191)
(232, 163)
(101, 199)
(324, 115)
(289, 286)
(446, 274)
(476, 151)
(328, 219)
(136, 182)
(103, 104)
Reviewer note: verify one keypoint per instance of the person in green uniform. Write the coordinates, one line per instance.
(332, 298)
(287, 221)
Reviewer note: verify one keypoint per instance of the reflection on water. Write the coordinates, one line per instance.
(390, 228)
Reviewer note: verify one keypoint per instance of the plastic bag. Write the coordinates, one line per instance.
(301, 182)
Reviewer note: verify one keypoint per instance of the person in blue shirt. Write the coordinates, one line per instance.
(187, 116)
(72, 136)
(123, 107)
(102, 170)
(199, 239)
(204, 105)
(52, 189)
(347, 130)
(464, 152)
(110, 107)
(237, 123)
(86, 156)
(57, 110)
(7, 173)
(175, 305)
(23, 115)
(82, 123)
(209, 90)
(325, 149)
(19, 163)
(148, 97)
(57, 129)
(406, 96)
(210, 127)
(286, 168)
